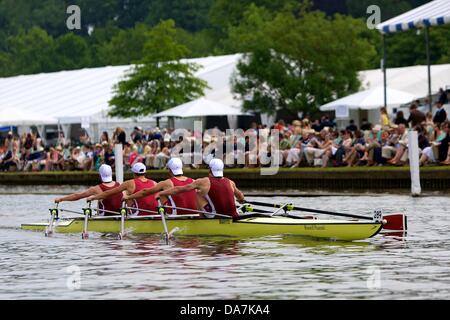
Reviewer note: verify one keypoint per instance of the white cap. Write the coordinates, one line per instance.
(105, 173)
(216, 166)
(176, 166)
(139, 168)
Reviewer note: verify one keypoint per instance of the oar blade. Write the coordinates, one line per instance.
(395, 222)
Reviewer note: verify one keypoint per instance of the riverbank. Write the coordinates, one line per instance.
(433, 178)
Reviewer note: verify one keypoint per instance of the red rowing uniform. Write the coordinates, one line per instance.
(221, 197)
(112, 203)
(147, 203)
(185, 200)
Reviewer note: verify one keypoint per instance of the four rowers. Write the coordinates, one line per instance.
(180, 194)
(106, 206)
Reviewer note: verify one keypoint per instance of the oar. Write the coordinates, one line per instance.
(123, 213)
(53, 216)
(290, 207)
(87, 214)
(162, 212)
(395, 221)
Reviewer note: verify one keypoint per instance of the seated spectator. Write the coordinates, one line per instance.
(396, 145)
(373, 145)
(401, 146)
(108, 154)
(438, 151)
(317, 148)
(104, 138)
(162, 158)
(280, 126)
(55, 159)
(357, 149)
(80, 159)
(151, 150)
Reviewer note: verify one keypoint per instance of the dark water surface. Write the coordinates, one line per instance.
(418, 267)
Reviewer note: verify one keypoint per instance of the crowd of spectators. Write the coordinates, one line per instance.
(302, 143)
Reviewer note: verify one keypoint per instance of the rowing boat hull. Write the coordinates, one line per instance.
(249, 227)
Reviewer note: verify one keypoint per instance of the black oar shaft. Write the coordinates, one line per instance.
(348, 215)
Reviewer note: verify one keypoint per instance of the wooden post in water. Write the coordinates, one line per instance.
(413, 149)
(118, 154)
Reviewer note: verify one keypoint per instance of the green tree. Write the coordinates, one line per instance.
(297, 59)
(161, 80)
(191, 15)
(71, 52)
(125, 47)
(33, 52)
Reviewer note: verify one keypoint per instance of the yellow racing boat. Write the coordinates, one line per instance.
(250, 226)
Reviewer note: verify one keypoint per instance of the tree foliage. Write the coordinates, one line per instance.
(297, 59)
(113, 30)
(161, 80)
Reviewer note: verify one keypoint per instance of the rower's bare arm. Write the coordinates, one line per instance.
(78, 195)
(237, 193)
(109, 193)
(176, 190)
(147, 192)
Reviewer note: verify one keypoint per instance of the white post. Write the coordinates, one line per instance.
(413, 149)
(118, 154)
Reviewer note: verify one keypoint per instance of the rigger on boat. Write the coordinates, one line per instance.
(216, 213)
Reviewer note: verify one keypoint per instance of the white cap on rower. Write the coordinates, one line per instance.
(216, 166)
(139, 168)
(176, 166)
(105, 173)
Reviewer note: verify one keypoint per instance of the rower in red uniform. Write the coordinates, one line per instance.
(215, 194)
(109, 204)
(177, 203)
(139, 183)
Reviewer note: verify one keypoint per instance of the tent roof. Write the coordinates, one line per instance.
(201, 108)
(371, 99)
(413, 79)
(70, 96)
(14, 116)
(433, 13)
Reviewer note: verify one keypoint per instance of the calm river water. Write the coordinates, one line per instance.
(417, 267)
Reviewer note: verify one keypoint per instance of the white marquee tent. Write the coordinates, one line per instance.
(371, 99)
(81, 96)
(200, 108)
(409, 79)
(17, 117)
